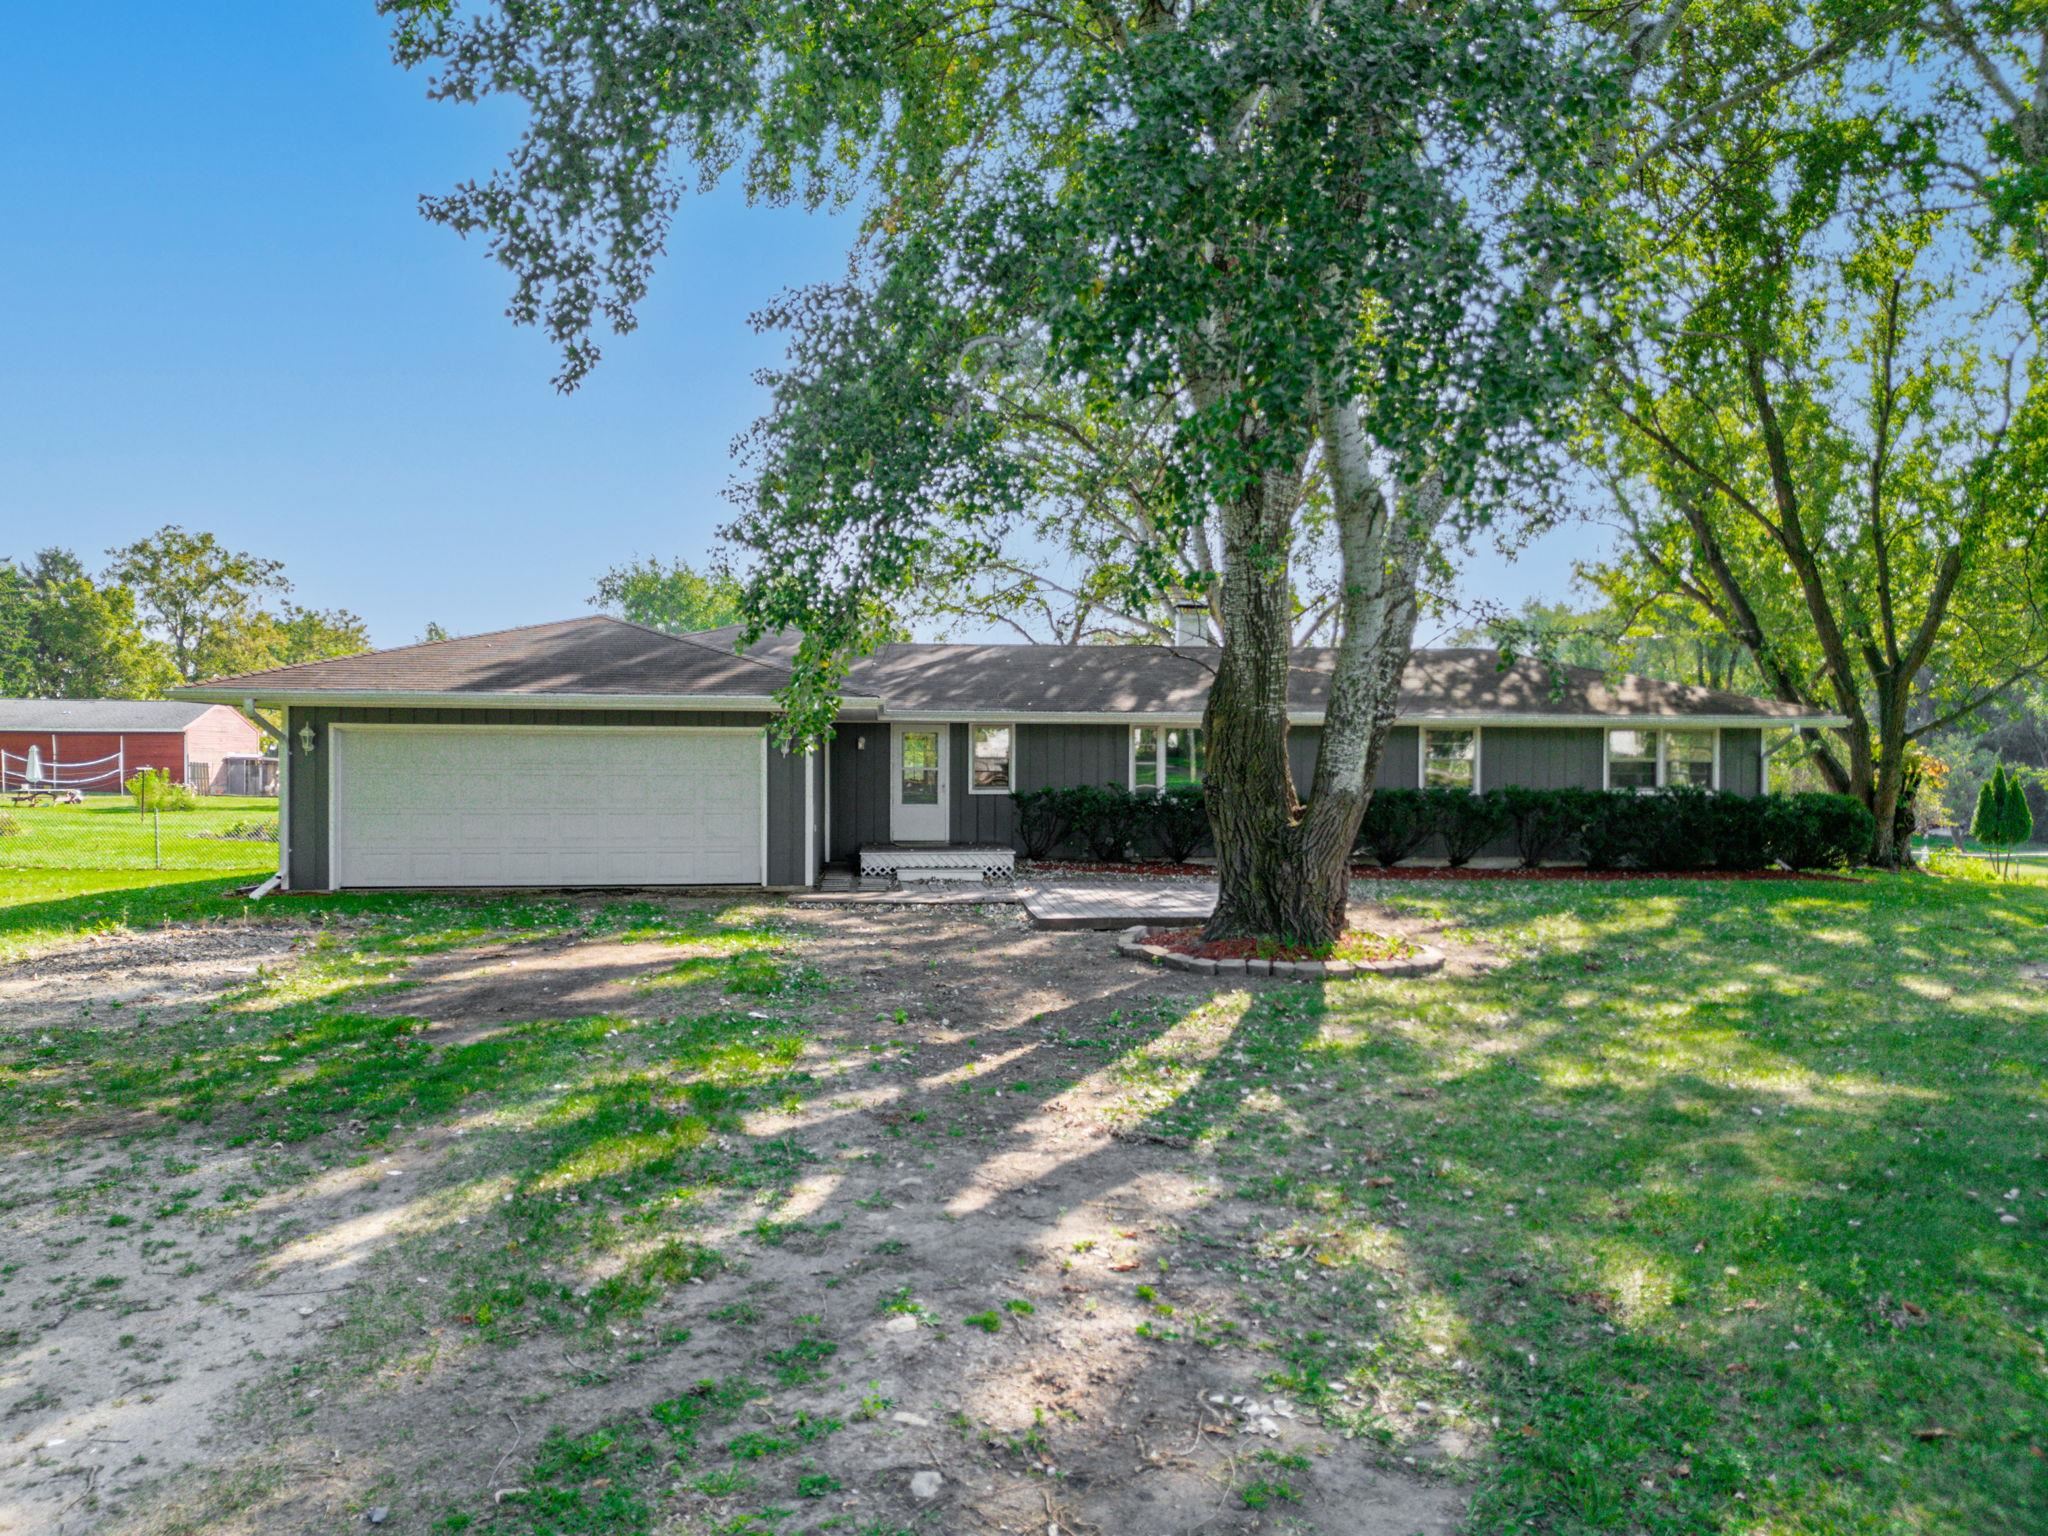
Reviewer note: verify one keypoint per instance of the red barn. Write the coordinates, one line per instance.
(96, 745)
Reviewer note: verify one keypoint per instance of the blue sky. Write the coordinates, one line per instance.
(223, 309)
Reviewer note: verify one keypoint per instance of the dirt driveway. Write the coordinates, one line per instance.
(965, 1277)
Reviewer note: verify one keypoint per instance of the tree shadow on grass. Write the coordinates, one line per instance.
(608, 1183)
(1702, 1188)
(1417, 1207)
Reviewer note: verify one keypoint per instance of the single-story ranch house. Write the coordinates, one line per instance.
(95, 746)
(597, 752)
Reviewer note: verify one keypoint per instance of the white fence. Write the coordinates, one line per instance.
(31, 770)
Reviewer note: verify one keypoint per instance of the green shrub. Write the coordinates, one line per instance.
(1620, 827)
(1739, 831)
(1043, 819)
(1686, 832)
(1959, 866)
(1670, 829)
(1396, 823)
(1678, 829)
(154, 791)
(1179, 820)
(1818, 831)
(1466, 822)
(260, 829)
(2003, 820)
(1107, 817)
(1545, 823)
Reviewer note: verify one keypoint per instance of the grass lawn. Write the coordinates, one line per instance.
(1696, 1208)
(2026, 851)
(106, 832)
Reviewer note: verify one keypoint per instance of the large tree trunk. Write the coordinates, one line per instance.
(1266, 886)
(1284, 870)
(1890, 775)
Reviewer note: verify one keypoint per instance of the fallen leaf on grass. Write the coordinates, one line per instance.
(1933, 1433)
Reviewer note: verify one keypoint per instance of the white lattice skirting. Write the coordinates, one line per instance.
(991, 864)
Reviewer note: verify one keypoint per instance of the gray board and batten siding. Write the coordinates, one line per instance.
(306, 792)
(1062, 756)
(850, 798)
(1042, 757)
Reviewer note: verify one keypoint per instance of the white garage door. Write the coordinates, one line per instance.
(416, 805)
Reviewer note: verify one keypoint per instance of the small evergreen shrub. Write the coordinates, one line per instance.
(1685, 832)
(1108, 817)
(1545, 823)
(1396, 823)
(2019, 817)
(1464, 821)
(1178, 819)
(1043, 819)
(1674, 829)
(1620, 830)
(1677, 829)
(2003, 820)
(1818, 831)
(1738, 828)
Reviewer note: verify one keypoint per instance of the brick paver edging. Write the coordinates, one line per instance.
(1426, 961)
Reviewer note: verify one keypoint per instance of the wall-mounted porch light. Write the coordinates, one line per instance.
(306, 740)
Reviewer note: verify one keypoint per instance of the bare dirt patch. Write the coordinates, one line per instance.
(121, 979)
(473, 990)
(987, 1269)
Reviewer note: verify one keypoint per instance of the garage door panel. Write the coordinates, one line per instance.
(563, 806)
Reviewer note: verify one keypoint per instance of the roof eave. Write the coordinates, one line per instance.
(391, 698)
(1315, 717)
(290, 698)
(1702, 721)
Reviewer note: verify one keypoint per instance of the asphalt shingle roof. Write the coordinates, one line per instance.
(108, 715)
(602, 655)
(1127, 679)
(594, 655)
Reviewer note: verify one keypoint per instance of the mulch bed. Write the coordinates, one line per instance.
(1429, 872)
(1580, 872)
(1355, 945)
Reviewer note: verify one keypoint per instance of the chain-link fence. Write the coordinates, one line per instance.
(231, 834)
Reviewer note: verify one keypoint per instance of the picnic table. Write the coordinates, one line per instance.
(47, 794)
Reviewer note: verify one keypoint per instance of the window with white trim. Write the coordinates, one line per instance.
(1641, 760)
(1165, 756)
(1450, 759)
(1631, 759)
(1689, 758)
(990, 767)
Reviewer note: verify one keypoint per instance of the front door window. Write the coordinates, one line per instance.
(920, 768)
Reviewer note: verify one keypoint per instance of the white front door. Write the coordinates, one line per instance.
(922, 789)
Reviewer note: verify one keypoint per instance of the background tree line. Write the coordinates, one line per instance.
(170, 608)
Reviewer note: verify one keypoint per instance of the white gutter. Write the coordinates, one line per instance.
(1645, 722)
(1315, 717)
(395, 699)
(248, 707)
(694, 703)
